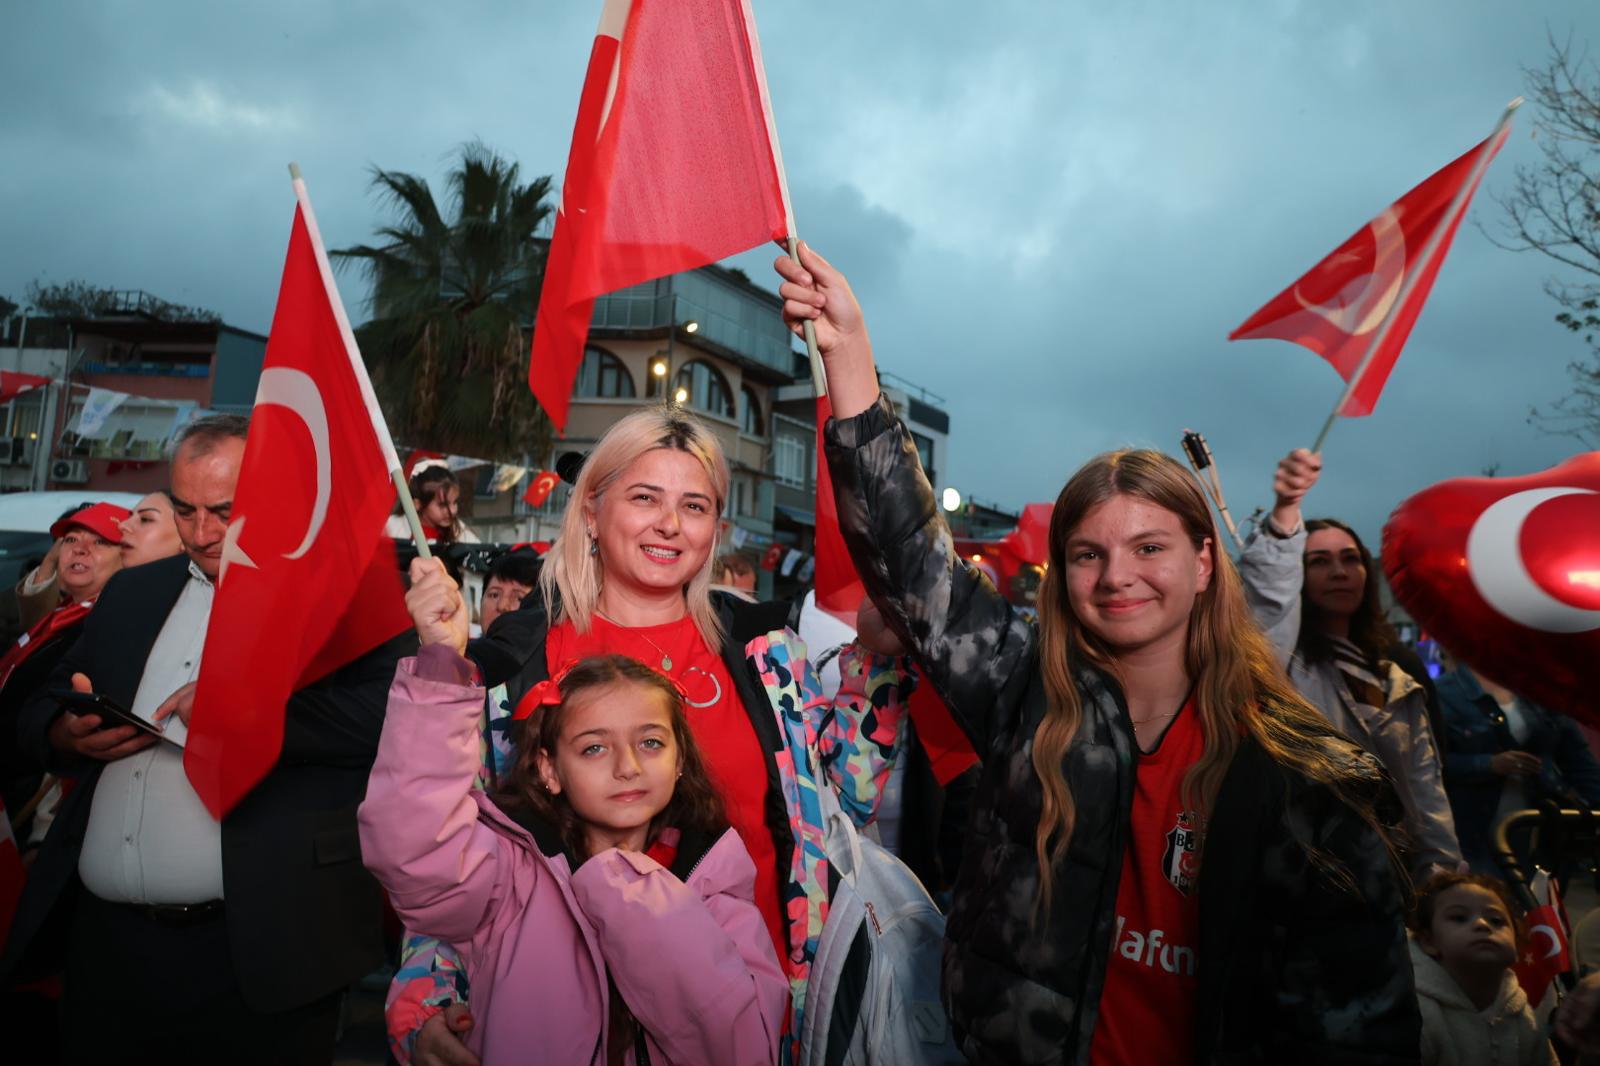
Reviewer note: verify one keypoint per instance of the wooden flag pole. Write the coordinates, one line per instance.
(379, 427)
(1457, 204)
(819, 378)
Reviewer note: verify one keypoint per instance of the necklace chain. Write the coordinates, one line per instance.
(666, 660)
(1154, 718)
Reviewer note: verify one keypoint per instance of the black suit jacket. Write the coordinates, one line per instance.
(304, 916)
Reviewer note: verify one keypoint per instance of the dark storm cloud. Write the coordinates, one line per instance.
(1053, 213)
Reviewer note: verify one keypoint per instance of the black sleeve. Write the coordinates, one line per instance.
(970, 641)
(39, 713)
(1344, 993)
(337, 721)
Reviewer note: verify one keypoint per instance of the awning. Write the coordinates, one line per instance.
(796, 514)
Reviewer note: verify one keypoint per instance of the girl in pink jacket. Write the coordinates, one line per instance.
(603, 910)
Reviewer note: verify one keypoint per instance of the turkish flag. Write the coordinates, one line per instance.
(1546, 955)
(308, 580)
(773, 557)
(14, 383)
(1339, 307)
(540, 487)
(674, 164)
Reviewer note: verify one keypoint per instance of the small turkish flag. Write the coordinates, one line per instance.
(1546, 955)
(308, 580)
(540, 487)
(773, 557)
(674, 164)
(1339, 307)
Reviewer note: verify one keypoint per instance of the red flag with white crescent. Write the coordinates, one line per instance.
(308, 579)
(1547, 954)
(1338, 307)
(540, 487)
(674, 164)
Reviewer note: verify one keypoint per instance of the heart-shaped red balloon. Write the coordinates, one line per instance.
(1505, 573)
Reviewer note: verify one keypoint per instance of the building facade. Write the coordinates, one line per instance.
(167, 370)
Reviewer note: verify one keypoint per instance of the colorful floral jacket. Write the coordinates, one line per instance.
(850, 742)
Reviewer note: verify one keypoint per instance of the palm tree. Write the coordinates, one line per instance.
(452, 305)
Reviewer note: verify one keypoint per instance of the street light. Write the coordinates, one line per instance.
(661, 365)
(682, 395)
(951, 500)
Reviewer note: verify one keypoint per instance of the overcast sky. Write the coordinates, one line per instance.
(1052, 212)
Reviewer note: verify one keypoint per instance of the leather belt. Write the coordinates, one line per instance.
(178, 915)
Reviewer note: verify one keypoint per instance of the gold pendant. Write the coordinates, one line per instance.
(666, 663)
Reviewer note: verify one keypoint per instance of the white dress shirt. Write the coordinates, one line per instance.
(150, 839)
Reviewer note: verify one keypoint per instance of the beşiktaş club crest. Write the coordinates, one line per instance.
(1181, 861)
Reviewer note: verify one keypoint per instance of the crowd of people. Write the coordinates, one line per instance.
(1220, 813)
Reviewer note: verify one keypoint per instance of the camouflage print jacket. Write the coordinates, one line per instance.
(1291, 966)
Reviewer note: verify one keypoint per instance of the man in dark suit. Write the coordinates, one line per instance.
(186, 940)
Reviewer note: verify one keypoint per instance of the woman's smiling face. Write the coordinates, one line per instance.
(657, 522)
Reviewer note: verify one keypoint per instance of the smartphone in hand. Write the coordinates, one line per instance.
(111, 713)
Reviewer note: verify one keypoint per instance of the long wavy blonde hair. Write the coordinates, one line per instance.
(1239, 687)
(572, 577)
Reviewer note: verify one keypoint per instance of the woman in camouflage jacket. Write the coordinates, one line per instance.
(1300, 943)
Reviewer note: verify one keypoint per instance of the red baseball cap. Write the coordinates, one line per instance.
(102, 519)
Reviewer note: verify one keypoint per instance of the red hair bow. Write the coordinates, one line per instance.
(544, 694)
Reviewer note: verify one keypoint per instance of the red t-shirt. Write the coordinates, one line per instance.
(718, 720)
(1148, 1004)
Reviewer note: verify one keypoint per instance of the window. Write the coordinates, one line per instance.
(925, 453)
(708, 390)
(602, 374)
(789, 461)
(750, 417)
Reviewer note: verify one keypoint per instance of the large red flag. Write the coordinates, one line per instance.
(674, 164)
(1356, 307)
(308, 580)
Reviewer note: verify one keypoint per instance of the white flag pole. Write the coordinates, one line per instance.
(1457, 205)
(380, 428)
(819, 379)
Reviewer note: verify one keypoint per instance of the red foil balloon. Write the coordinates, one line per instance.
(1505, 573)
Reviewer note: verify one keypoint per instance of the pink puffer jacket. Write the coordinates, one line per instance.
(693, 960)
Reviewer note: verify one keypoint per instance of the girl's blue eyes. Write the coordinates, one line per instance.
(649, 743)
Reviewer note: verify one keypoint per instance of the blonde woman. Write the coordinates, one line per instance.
(630, 574)
(1172, 857)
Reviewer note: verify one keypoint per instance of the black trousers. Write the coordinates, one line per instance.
(138, 991)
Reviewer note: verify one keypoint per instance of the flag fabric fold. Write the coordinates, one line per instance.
(308, 580)
(674, 164)
(1341, 309)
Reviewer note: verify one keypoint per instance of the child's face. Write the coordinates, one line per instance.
(616, 760)
(1470, 929)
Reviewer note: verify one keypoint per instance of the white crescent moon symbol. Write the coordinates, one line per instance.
(294, 389)
(1366, 311)
(1555, 941)
(1494, 559)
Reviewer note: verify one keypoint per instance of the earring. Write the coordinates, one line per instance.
(594, 546)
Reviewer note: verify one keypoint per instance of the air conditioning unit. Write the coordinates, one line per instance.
(69, 472)
(16, 451)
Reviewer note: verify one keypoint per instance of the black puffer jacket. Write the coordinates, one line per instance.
(1292, 966)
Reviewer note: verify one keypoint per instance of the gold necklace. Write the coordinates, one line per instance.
(666, 660)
